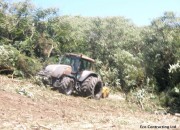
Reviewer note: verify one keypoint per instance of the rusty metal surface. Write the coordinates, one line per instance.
(82, 56)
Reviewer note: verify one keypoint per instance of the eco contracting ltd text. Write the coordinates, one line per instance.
(158, 127)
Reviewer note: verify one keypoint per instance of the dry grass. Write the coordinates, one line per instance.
(25, 105)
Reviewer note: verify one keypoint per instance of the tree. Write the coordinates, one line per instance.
(161, 49)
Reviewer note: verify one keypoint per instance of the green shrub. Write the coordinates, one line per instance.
(173, 101)
(130, 70)
(27, 65)
(8, 58)
(110, 76)
(18, 64)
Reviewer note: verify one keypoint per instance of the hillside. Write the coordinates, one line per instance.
(24, 105)
(143, 62)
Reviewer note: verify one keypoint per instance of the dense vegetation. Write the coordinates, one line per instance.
(128, 57)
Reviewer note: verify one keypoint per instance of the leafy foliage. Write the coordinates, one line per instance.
(8, 57)
(11, 61)
(130, 70)
(128, 57)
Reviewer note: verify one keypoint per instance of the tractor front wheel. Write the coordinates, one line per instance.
(66, 85)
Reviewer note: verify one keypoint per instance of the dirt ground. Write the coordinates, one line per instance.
(25, 106)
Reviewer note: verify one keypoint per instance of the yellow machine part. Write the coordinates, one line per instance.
(105, 92)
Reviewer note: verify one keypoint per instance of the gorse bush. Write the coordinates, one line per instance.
(110, 76)
(28, 66)
(11, 61)
(130, 70)
(173, 94)
(174, 68)
(8, 57)
(171, 98)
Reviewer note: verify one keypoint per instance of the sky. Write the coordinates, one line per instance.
(140, 12)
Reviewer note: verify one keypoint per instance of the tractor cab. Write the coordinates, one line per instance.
(77, 62)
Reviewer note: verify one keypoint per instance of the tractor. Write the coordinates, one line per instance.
(73, 73)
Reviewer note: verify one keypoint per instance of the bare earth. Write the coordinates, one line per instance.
(25, 106)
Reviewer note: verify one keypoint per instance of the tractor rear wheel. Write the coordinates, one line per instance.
(92, 87)
(66, 85)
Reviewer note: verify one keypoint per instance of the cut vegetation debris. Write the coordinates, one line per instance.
(51, 110)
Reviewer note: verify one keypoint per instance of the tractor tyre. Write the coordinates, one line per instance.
(66, 85)
(92, 87)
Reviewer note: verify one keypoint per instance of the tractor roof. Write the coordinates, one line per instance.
(81, 56)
